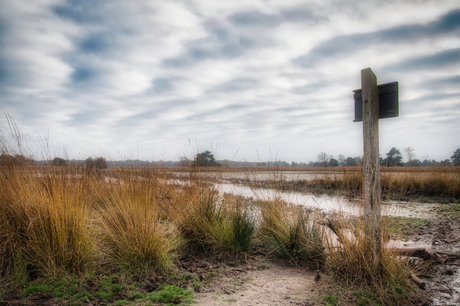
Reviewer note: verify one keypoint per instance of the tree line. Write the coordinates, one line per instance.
(394, 158)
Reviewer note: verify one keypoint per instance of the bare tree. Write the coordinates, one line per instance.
(409, 152)
(184, 161)
(342, 160)
(323, 159)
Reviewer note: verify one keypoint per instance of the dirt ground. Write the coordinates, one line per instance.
(278, 283)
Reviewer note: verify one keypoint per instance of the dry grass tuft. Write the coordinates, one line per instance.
(350, 260)
(133, 230)
(211, 224)
(43, 217)
(290, 232)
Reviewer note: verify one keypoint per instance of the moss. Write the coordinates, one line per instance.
(39, 288)
(172, 294)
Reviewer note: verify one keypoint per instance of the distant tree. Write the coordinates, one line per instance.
(351, 162)
(415, 163)
(323, 159)
(342, 160)
(21, 160)
(294, 164)
(446, 162)
(394, 158)
(333, 162)
(184, 161)
(205, 159)
(59, 162)
(409, 152)
(89, 163)
(456, 158)
(16, 160)
(100, 163)
(283, 163)
(430, 163)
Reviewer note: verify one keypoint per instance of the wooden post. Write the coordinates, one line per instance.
(372, 191)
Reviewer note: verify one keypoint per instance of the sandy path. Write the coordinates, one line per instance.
(280, 284)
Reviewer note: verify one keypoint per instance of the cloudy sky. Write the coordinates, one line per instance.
(248, 79)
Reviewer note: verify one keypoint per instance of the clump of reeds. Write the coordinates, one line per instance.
(350, 259)
(290, 232)
(210, 224)
(43, 220)
(135, 236)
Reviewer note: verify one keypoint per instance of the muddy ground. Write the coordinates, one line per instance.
(443, 280)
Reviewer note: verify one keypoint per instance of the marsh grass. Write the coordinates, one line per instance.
(350, 260)
(211, 224)
(43, 217)
(133, 230)
(290, 232)
(440, 183)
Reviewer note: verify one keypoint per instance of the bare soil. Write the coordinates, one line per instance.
(276, 283)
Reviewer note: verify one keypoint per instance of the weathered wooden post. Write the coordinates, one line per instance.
(372, 191)
(371, 103)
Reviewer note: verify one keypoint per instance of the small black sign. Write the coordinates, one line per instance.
(388, 102)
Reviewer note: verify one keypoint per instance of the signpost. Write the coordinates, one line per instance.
(371, 103)
(388, 101)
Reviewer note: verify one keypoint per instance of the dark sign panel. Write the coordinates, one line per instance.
(388, 101)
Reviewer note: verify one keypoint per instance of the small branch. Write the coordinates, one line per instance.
(441, 256)
(418, 281)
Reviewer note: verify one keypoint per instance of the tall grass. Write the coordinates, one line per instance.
(413, 184)
(211, 224)
(43, 219)
(135, 235)
(290, 232)
(350, 260)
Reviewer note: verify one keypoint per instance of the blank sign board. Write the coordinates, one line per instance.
(388, 102)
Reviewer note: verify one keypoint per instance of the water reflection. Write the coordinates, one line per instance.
(325, 202)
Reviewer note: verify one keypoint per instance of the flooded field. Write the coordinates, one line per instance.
(269, 175)
(327, 203)
(229, 182)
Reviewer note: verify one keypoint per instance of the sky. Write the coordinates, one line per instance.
(249, 80)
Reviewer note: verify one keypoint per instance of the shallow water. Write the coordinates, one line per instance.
(266, 175)
(325, 202)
